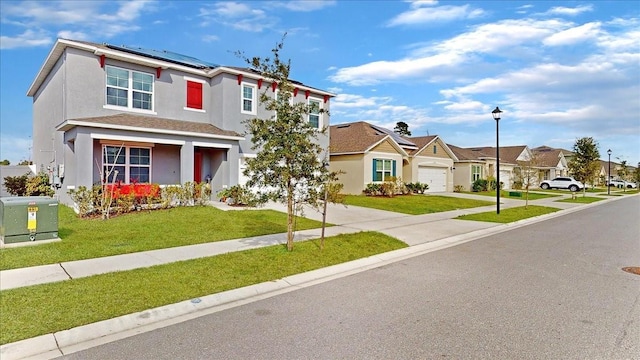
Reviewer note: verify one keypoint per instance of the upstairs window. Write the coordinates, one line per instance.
(248, 97)
(194, 95)
(129, 89)
(476, 172)
(314, 113)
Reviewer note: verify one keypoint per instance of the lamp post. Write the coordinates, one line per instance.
(609, 174)
(496, 116)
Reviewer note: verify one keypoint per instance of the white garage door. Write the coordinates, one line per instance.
(505, 178)
(435, 177)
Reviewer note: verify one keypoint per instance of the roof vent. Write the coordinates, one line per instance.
(343, 126)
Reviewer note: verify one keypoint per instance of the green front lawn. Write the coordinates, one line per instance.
(414, 204)
(42, 309)
(581, 199)
(510, 215)
(146, 230)
(506, 194)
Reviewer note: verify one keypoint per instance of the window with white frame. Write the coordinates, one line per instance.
(129, 89)
(126, 164)
(248, 97)
(383, 169)
(476, 172)
(314, 113)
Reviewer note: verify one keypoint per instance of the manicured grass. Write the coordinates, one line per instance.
(146, 230)
(510, 215)
(581, 199)
(37, 310)
(505, 194)
(414, 204)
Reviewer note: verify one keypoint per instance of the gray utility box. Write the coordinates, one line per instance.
(28, 218)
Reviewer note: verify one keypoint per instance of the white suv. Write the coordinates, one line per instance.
(622, 184)
(562, 183)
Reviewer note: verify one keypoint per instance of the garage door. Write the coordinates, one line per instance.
(435, 177)
(505, 178)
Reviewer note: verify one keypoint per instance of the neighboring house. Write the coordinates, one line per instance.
(367, 153)
(12, 171)
(480, 163)
(155, 116)
(550, 162)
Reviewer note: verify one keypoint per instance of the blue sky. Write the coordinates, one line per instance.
(560, 70)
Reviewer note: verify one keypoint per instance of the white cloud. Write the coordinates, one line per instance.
(574, 35)
(421, 15)
(70, 19)
(431, 59)
(304, 5)
(29, 38)
(236, 15)
(561, 10)
(210, 38)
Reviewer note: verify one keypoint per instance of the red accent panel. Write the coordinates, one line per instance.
(306, 94)
(274, 85)
(194, 95)
(239, 78)
(326, 98)
(102, 60)
(295, 92)
(259, 83)
(158, 72)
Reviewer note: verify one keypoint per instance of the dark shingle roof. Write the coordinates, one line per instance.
(150, 122)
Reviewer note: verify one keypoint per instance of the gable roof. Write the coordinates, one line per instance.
(547, 157)
(508, 154)
(146, 57)
(359, 137)
(151, 125)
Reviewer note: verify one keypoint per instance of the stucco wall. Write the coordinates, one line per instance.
(353, 177)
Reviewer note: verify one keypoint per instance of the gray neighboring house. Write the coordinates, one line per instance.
(13, 170)
(176, 118)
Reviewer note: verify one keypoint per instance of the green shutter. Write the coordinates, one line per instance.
(373, 171)
(393, 168)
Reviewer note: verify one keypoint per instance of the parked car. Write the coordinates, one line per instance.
(562, 183)
(622, 184)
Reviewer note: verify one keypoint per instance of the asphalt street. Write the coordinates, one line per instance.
(550, 290)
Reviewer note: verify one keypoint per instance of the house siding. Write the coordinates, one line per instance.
(353, 167)
(385, 147)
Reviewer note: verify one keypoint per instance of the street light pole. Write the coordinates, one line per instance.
(496, 117)
(609, 174)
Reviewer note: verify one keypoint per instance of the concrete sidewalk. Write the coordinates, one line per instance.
(425, 233)
(411, 229)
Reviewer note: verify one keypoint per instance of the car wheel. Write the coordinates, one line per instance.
(544, 186)
(573, 188)
(629, 187)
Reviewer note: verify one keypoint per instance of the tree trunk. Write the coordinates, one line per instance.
(324, 217)
(290, 220)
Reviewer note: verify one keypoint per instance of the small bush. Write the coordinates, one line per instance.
(517, 185)
(372, 189)
(16, 185)
(479, 185)
(458, 188)
(417, 187)
(238, 195)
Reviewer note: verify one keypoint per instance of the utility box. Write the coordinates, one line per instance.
(28, 218)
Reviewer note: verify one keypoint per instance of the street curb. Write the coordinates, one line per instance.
(86, 336)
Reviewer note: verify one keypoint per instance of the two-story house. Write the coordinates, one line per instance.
(154, 116)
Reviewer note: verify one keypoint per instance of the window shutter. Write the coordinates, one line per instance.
(393, 168)
(373, 173)
(194, 95)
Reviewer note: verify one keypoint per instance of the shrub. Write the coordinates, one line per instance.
(479, 185)
(39, 185)
(458, 188)
(16, 185)
(372, 189)
(517, 185)
(238, 195)
(417, 187)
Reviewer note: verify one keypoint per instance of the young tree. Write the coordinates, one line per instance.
(402, 128)
(288, 166)
(527, 173)
(5, 162)
(585, 164)
(623, 172)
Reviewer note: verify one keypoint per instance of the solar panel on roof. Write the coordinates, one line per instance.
(166, 55)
